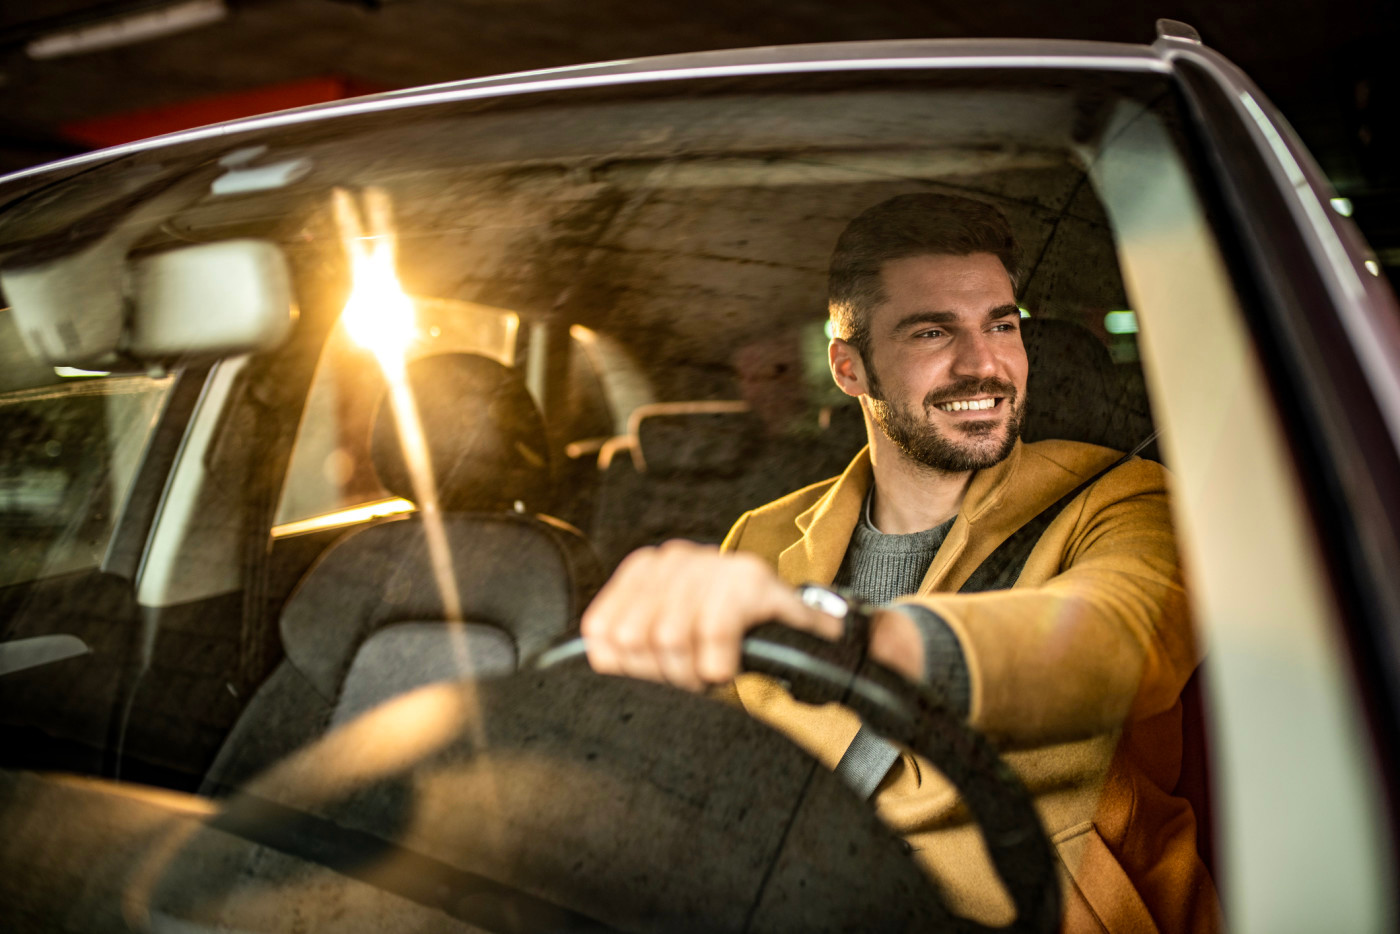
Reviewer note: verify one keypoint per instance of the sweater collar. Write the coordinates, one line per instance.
(828, 523)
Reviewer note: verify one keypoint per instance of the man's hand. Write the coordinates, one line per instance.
(678, 613)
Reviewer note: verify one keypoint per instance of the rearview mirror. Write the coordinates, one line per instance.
(224, 297)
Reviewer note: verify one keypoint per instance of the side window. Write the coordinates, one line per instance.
(72, 449)
(330, 469)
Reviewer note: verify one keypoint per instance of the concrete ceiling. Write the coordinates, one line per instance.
(1325, 64)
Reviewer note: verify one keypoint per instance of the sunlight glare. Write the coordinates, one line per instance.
(378, 315)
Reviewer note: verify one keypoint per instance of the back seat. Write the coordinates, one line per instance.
(689, 469)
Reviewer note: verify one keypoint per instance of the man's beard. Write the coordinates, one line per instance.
(924, 444)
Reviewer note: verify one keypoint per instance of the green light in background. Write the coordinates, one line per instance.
(830, 329)
(1024, 313)
(1120, 322)
(1342, 206)
(71, 372)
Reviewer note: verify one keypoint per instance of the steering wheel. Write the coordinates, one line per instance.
(911, 715)
(556, 799)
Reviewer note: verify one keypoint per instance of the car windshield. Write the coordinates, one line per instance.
(532, 334)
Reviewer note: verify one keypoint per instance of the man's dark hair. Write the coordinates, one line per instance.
(904, 226)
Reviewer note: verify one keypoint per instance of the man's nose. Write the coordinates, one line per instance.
(975, 356)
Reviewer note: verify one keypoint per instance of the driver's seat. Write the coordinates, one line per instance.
(370, 621)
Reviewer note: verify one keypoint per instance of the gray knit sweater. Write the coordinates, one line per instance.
(880, 568)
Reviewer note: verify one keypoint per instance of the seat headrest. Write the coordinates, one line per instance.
(707, 439)
(485, 438)
(1074, 391)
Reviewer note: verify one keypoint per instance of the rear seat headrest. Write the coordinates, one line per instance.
(484, 435)
(700, 439)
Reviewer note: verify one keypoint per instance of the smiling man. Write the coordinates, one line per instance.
(1073, 659)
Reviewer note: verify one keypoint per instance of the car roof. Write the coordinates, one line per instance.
(887, 55)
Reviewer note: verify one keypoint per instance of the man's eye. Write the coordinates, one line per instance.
(932, 332)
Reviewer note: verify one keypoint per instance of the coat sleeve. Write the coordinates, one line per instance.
(1105, 637)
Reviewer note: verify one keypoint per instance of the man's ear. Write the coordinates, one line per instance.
(847, 367)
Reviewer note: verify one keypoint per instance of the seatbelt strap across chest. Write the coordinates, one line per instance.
(1000, 569)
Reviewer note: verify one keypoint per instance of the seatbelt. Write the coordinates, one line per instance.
(866, 762)
(869, 758)
(1000, 569)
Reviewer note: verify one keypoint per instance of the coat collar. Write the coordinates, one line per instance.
(828, 523)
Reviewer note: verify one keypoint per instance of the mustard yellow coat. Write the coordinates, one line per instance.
(1076, 671)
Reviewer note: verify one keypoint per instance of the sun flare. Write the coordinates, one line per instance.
(378, 314)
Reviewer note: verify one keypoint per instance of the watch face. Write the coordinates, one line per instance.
(828, 601)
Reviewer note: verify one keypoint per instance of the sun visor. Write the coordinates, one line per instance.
(70, 311)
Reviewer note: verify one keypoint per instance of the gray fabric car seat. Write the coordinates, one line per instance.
(1076, 393)
(369, 621)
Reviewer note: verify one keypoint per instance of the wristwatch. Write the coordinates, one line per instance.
(855, 614)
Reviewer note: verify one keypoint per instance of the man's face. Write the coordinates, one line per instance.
(946, 370)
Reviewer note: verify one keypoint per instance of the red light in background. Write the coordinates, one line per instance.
(140, 124)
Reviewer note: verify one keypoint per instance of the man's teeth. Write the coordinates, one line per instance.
(968, 405)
